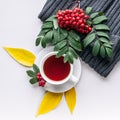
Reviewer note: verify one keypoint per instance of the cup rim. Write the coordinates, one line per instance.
(48, 79)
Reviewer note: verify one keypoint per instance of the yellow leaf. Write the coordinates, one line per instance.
(49, 102)
(22, 56)
(70, 97)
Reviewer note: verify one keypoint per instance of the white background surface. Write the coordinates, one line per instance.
(97, 98)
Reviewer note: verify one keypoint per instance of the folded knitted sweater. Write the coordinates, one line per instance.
(112, 10)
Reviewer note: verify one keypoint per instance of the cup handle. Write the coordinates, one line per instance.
(73, 79)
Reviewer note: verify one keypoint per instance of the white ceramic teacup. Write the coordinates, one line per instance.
(53, 82)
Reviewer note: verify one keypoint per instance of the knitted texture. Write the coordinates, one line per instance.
(112, 10)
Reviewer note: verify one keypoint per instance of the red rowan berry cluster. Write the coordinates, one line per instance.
(74, 19)
(41, 81)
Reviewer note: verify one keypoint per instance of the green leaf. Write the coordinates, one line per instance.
(88, 10)
(102, 51)
(101, 13)
(96, 48)
(63, 32)
(47, 25)
(76, 45)
(60, 45)
(103, 34)
(38, 40)
(74, 35)
(90, 37)
(43, 42)
(33, 80)
(35, 68)
(89, 22)
(107, 45)
(55, 37)
(99, 19)
(105, 40)
(55, 23)
(66, 58)
(101, 27)
(74, 54)
(109, 52)
(93, 15)
(61, 52)
(43, 32)
(62, 37)
(50, 19)
(70, 57)
(30, 73)
(48, 36)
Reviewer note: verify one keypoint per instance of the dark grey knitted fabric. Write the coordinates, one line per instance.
(112, 10)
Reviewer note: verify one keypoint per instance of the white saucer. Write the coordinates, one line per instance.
(69, 84)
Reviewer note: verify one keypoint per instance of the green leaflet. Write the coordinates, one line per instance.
(90, 37)
(30, 73)
(47, 25)
(102, 51)
(48, 36)
(55, 23)
(102, 34)
(43, 42)
(102, 39)
(99, 19)
(50, 19)
(96, 48)
(101, 27)
(36, 68)
(74, 35)
(74, 54)
(88, 10)
(93, 15)
(108, 45)
(76, 45)
(33, 80)
(60, 45)
(61, 52)
(109, 52)
(38, 40)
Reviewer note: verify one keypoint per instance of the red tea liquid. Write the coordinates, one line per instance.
(55, 68)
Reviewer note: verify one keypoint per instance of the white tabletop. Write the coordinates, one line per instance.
(97, 98)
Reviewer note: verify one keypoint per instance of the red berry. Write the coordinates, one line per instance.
(89, 28)
(75, 11)
(77, 18)
(76, 14)
(38, 77)
(81, 11)
(86, 16)
(86, 26)
(66, 11)
(72, 14)
(82, 14)
(82, 25)
(60, 13)
(80, 21)
(66, 18)
(73, 19)
(77, 8)
(38, 74)
(67, 22)
(42, 83)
